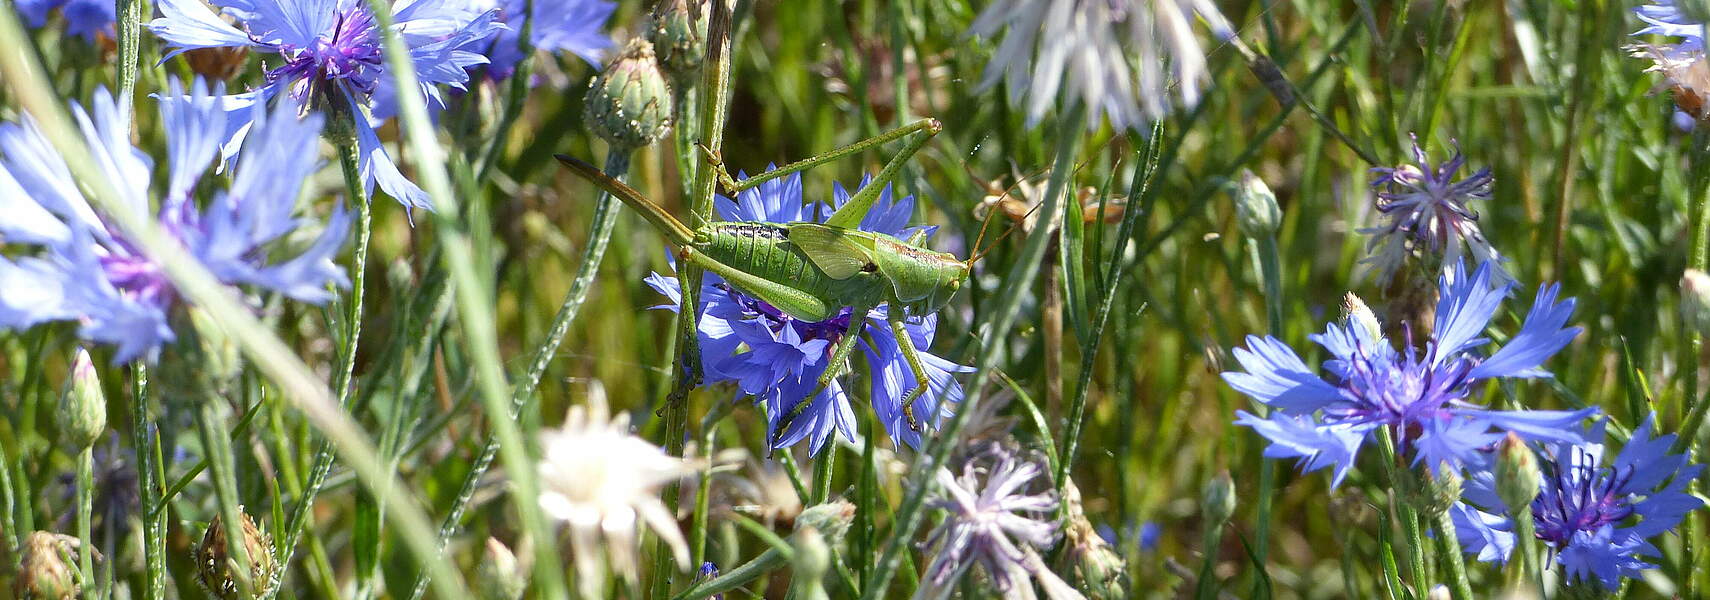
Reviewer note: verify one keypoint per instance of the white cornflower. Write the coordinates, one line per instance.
(603, 483)
(1111, 55)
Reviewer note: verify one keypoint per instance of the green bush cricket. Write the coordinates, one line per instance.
(812, 271)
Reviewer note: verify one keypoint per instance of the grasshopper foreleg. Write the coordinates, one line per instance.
(912, 356)
(839, 358)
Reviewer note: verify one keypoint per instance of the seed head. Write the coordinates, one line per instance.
(1098, 569)
(46, 571)
(214, 560)
(629, 104)
(1440, 489)
(679, 32)
(1256, 209)
(82, 411)
(1516, 473)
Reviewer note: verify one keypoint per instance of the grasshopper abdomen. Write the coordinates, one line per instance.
(771, 268)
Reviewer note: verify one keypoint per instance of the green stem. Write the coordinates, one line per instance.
(766, 562)
(605, 221)
(1449, 555)
(85, 505)
(153, 519)
(1398, 478)
(1020, 277)
(1206, 586)
(715, 99)
(339, 130)
(1271, 274)
(822, 471)
(128, 26)
(1523, 574)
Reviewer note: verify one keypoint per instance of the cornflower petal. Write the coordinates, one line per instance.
(1542, 336)
(189, 24)
(1276, 376)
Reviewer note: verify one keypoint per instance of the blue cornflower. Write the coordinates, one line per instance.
(1425, 210)
(1421, 398)
(1586, 506)
(572, 26)
(85, 18)
(331, 52)
(1663, 17)
(778, 359)
(84, 270)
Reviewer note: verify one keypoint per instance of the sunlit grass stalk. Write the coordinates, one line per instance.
(199, 287)
(148, 490)
(605, 221)
(909, 514)
(476, 313)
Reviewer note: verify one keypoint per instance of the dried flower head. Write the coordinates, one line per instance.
(46, 571)
(603, 483)
(214, 559)
(1426, 215)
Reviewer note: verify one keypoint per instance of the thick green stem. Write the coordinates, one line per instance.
(1271, 274)
(1206, 586)
(128, 26)
(605, 221)
(85, 504)
(148, 491)
(1524, 575)
(1449, 555)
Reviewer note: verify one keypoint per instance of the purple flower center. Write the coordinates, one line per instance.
(1584, 497)
(830, 329)
(1401, 390)
(350, 54)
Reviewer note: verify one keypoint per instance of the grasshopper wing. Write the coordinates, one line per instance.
(839, 255)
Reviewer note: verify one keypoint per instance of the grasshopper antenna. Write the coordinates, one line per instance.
(674, 230)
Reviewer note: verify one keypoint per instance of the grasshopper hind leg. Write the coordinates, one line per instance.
(915, 366)
(839, 358)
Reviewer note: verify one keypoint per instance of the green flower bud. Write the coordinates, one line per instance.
(629, 104)
(214, 560)
(832, 519)
(1256, 209)
(1440, 490)
(1218, 500)
(679, 33)
(82, 411)
(499, 577)
(1516, 473)
(812, 561)
(1099, 571)
(1695, 300)
(46, 571)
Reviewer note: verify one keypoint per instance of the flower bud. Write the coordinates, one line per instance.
(1442, 489)
(832, 519)
(1361, 316)
(499, 577)
(1256, 209)
(45, 573)
(1516, 473)
(679, 33)
(1219, 499)
(1098, 570)
(1439, 592)
(82, 411)
(629, 104)
(812, 561)
(214, 560)
(1695, 300)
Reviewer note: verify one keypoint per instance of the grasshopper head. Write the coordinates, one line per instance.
(951, 274)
